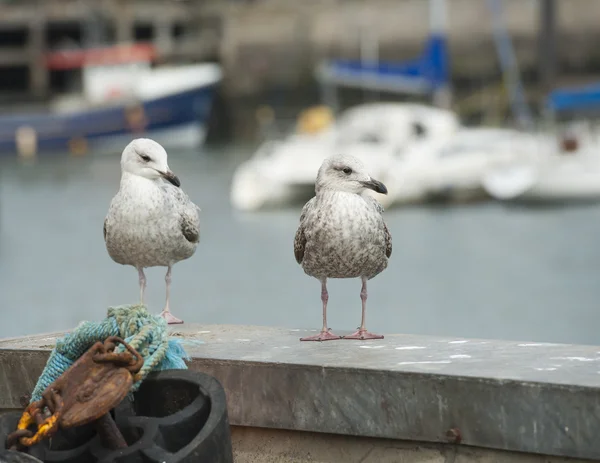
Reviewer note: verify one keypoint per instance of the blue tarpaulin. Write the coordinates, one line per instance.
(422, 75)
(581, 98)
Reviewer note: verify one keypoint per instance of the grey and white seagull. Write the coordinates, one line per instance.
(151, 221)
(342, 233)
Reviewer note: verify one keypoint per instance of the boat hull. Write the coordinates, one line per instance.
(176, 120)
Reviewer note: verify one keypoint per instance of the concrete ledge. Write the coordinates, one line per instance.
(532, 398)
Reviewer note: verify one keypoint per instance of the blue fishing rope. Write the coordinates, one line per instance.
(144, 332)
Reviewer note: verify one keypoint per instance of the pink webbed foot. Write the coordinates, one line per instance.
(322, 336)
(170, 318)
(362, 335)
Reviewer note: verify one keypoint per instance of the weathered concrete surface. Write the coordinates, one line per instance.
(253, 445)
(524, 397)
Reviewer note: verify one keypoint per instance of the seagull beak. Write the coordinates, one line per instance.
(171, 178)
(375, 185)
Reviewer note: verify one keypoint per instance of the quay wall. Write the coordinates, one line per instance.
(404, 398)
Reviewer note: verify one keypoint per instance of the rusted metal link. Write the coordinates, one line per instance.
(112, 357)
(39, 418)
(53, 401)
(13, 439)
(97, 382)
(131, 359)
(34, 415)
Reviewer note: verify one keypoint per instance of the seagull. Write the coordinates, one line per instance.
(151, 221)
(342, 233)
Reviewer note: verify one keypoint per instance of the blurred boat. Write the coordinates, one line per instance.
(283, 171)
(570, 172)
(453, 167)
(123, 97)
(566, 169)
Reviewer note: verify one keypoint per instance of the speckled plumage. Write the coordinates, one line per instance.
(342, 233)
(151, 221)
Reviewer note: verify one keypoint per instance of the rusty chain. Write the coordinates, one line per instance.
(86, 392)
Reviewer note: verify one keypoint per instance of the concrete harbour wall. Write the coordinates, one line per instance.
(405, 398)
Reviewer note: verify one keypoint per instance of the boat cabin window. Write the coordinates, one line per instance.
(568, 145)
(419, 129)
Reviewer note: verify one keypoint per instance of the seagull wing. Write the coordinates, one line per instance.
(300, 238)
(386, 232)
(187, 212)
(388, 241)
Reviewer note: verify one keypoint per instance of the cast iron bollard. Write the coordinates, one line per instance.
(176, 416)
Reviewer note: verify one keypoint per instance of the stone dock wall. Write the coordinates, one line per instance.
(403, 398)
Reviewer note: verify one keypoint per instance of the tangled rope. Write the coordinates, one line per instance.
(144, 332)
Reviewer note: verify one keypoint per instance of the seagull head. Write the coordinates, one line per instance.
(146, 158)
(342, 172)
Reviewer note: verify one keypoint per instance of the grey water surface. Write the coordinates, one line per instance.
(483, 271)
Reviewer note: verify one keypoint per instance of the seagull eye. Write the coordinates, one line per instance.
(145, 158)
(347, 170)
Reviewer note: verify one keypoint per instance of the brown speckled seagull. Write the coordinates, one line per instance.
(342, 233)
(151, 221)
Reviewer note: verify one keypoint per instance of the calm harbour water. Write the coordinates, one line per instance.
(486, 270)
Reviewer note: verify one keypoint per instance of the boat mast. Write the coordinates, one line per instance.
(547, 56)
(510, 67)
(547, 44)
(438, 26)
(369, 48)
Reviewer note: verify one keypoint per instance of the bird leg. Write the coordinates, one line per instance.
(142, 284)
(325, 334)
(362, 332)
(166, 313)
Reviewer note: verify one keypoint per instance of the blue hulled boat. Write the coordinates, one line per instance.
(123, 98)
